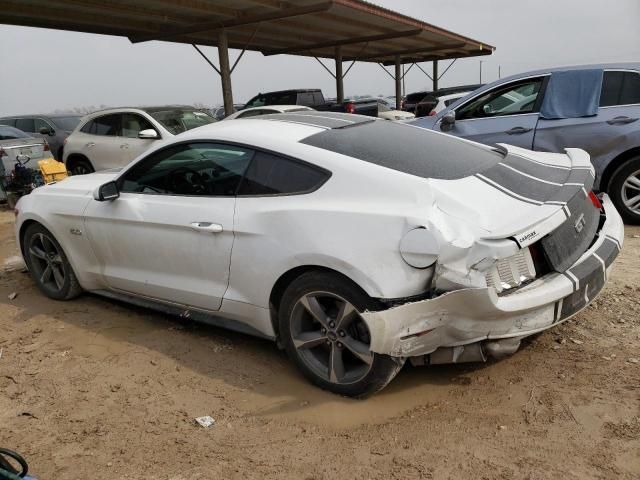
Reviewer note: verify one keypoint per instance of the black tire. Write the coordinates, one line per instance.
(619, 190)
(358, 378)
(48, 264)
(81, 167)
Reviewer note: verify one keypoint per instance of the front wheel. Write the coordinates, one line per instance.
(324, 334)
(48, 264)
(624, 190)
(81, 167)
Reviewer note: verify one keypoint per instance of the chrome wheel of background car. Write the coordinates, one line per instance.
(331, 338)
(46, 262)
(631, 192)
(80, 169)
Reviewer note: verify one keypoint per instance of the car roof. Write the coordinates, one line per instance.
(283, 108)
(45, 115)
(454, 95)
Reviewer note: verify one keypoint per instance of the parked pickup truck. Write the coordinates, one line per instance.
(315, 99)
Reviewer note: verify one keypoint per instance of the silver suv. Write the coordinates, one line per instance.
(113, 138)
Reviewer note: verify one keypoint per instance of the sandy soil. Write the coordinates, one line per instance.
(97, 389)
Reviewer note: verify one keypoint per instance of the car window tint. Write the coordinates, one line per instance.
(200, 169)
(514, 98)
(133, 124)
(630, 89)
(11, 122)
(305, 99)
(611, 88)
(107, 125)
(88, 127)
(270, 174)
(39, 123)
(25, 124)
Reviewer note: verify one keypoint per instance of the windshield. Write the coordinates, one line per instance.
(179, 120)
(8, 133)
(67, 123)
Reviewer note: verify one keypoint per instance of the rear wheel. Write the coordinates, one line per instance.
(48, 264)
(323, 332)
(624, 190)
(81, 167)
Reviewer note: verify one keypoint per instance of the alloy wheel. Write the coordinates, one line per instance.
(631, 192)
(331, 338)
(46, 262)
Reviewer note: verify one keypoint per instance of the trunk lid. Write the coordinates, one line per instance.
(31, 147)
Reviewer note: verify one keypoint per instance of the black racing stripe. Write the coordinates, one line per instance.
(521, 185)
(581, 176)
(549, 173)
(590, 286)
(566, 193)
(586, 268)
(555, 310)
(507, 192)
(615, 240)
(608, 251)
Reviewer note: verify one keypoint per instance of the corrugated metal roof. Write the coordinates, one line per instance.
(300, 27)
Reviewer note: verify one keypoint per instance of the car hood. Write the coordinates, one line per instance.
(81, 184)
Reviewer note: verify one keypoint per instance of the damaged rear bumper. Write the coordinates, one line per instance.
(475, 315)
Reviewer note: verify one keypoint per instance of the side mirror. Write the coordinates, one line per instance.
(106, 192)
(46, 131)
(148, 134)
(448, 120)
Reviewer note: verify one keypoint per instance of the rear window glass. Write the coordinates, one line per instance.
(9, 133)
(408, 149)
(620, 88)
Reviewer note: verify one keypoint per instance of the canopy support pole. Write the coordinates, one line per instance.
(435, 75)
(339, 76)
(225, 71)
(398, 80)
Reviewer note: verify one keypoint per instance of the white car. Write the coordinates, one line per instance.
(389, 112)
(112, 138)
(354, 242)
(446, 100)
(267, 110)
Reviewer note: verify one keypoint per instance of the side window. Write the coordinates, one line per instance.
(89, 127)
(270, 174)
(611, 88)
(133, 124)
(11, 122)
(305, 99)
(257, 101)
(39, 123)
(107, 125)
(620, 88)
(630, 89)
(25, 124)
(514, 98)
(197, 169)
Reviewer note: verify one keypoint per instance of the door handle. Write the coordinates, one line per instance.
(518, 131)
(621, 120)
(124, 145)
(90, 144)
(207, 227)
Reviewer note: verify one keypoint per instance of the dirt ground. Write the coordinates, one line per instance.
(97, 389)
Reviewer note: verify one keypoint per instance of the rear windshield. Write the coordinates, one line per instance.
(413, 150)
(415, 97)
(179, 120)
(9, 133)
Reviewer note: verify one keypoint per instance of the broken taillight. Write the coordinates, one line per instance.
(595, 200)
(350, 108)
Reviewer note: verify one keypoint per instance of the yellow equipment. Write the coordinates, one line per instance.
(52, 170)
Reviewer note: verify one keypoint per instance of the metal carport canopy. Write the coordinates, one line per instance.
(343, 30)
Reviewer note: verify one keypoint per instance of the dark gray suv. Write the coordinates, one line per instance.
(54, 128)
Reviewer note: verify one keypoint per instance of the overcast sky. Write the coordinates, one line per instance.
(45, 70)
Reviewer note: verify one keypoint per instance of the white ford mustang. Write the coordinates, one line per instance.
(354, 242)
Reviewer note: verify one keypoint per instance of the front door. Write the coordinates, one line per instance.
(169, 235)
(506, 114)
